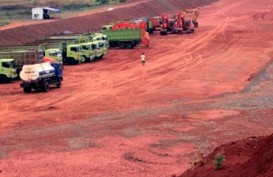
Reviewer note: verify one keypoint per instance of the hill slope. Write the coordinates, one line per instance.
(94, 20)
(252, 157)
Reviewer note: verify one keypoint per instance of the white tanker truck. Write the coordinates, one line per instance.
(41, 76)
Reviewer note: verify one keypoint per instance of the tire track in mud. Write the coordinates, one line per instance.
(263, 74)
(3, 108)
(189, 61)
(192, 48)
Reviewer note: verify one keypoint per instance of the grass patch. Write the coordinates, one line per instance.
(21, 9)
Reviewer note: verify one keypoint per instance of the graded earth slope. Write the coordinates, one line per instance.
(23, 32)
(251, 157)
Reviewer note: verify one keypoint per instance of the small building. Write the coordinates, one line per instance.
(40, 13)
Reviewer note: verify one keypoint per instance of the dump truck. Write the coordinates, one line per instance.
(94, 46)
(91, 50)
(103, 41)
(41, 76)
(126, 38)
(86, 48)
(71, 53)
(53, 53)
(7, 70)
(146, 23)
(23, 57)
(157, 23)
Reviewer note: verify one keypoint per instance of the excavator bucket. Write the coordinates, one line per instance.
(195, 24)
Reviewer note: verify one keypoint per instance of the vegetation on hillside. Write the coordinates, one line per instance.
(21, 9)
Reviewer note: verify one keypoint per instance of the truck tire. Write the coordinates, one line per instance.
(130, 45)
(122, 45)
(163, 32)
(87, 59)
(151, 31)
(59, 84)
(45, 87)
(27, 89)
(3, 79)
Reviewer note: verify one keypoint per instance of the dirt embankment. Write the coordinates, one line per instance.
(251, 157)
(89, 22)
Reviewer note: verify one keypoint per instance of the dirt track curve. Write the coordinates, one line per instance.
(115, 117)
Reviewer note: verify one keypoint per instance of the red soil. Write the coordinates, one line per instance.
(251, 157)
(115, 117)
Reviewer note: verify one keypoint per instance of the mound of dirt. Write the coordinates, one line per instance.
(251, 157)
(92, 21)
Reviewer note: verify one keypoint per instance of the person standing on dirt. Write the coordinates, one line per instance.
(142, 57)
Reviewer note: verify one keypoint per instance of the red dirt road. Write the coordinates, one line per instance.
(115, 117)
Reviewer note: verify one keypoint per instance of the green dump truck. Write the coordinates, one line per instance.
(123, 38)
(53, 53)
(13, 61)
(8, 70)
(102, 39)
(94, 46)
(71, 53)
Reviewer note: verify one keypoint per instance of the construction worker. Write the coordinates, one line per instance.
(142, 57)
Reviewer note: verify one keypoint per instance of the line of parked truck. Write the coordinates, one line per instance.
(28, 61)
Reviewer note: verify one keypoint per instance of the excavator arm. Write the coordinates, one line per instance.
(195, 14)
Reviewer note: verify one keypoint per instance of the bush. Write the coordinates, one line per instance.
(218, 161)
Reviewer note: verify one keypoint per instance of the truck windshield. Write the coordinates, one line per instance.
(101, 44)
(52, 53)
(86, 47)
(79, 49)
(94, 46)
(59, 53)
(10, 64)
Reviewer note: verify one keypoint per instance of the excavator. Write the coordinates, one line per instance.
(178, 23)
(194, 13)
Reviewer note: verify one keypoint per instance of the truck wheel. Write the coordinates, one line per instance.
(87, 59)
(122, 45)
(130, 45)
(150, 31)
(163, 32)
(3, 79)
(45, 87)
(27, 89)
(59, 84)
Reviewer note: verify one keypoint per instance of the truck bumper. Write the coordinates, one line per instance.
(29, 84)
(13, 76)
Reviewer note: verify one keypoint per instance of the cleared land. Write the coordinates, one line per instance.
(118, 118)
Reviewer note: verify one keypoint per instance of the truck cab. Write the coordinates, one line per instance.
(107, 27)
(88, 52)
(55, 54)
(99, 50)
(74, 54)
(7, 70)
(102, 39)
